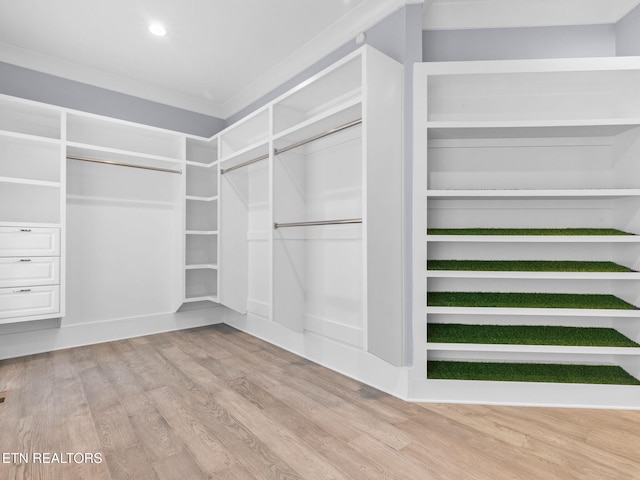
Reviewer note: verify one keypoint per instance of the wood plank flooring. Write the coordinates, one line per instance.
(215, 403)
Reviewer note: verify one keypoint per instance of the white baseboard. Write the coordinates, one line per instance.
(259, 308)
(524, 394)
(334, 330)
(16, 344)
(340, 357)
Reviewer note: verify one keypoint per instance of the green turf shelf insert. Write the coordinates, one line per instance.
(526, 231)
(525, 266)
(529, 372)
(527, 335)
(526, 300)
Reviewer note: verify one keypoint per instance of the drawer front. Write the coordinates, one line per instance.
(29, 271)
(25, 302)
(29, 242)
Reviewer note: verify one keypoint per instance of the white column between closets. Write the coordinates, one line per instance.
(419, 370)
(271, 161)
(63, 212)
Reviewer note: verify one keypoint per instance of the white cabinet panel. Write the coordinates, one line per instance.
(26, 241)
(29, 271)
(29, 301)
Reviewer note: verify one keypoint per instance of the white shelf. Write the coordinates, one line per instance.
(120, 201)
(85, 150)
(25, 181)
(29, 138)
(200, 164)
(534, 275)
(202, 266)
(545, 312)
(348, 111)
(30, 224)
(201, 232)
(197, 198)
(254, 150)
(510, 348)
(605, 127)
(550, 194)
(208, 298)
(535, 238)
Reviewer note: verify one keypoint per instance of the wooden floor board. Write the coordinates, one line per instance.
(216, 403)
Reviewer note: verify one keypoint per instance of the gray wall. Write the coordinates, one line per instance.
(628, 34)
(520, 43)
(41, 87)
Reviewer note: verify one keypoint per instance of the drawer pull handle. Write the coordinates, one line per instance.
(26, 230)
(22, 290)
(23, 260)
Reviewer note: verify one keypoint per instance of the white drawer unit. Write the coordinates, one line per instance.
(29, 242)
(29, 271)
(17, 302)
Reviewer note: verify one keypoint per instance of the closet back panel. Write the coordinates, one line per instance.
(234, 214)
(201, 249)
(105, 133)
(28, 160)
(258, 238)
(124, 235)
(29, 119)
(29, 204)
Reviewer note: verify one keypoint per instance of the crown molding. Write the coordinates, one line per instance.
(78, 73)
(361, 18)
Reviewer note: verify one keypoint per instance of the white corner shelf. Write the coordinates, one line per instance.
(201, 232)
(197, 198)
(25, 181)
(202, 266)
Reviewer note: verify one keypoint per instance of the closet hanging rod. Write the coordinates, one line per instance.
(321, 222)
(121, 164)
(326, 133)
(276, 151)
(244, 164)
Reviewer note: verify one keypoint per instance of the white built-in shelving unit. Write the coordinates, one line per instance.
(527, 144)
(201, 221)
(311, 216)
(91, 216)
(32, 189)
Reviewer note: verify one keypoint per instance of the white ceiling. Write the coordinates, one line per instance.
(466, 14)
(221, 55)
(218, 55)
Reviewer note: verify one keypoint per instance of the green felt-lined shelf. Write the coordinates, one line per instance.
(527, 335)
(525, 231)
(526, 300)
(529, 372)
(525, 266)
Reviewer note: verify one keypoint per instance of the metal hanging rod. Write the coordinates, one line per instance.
(244, 164)
(326, 133)
(121, 164)
(276, 151)
(321, 222)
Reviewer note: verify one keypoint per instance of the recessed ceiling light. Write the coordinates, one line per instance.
(158, 29)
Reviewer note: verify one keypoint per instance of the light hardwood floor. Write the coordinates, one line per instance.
(217, 403)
